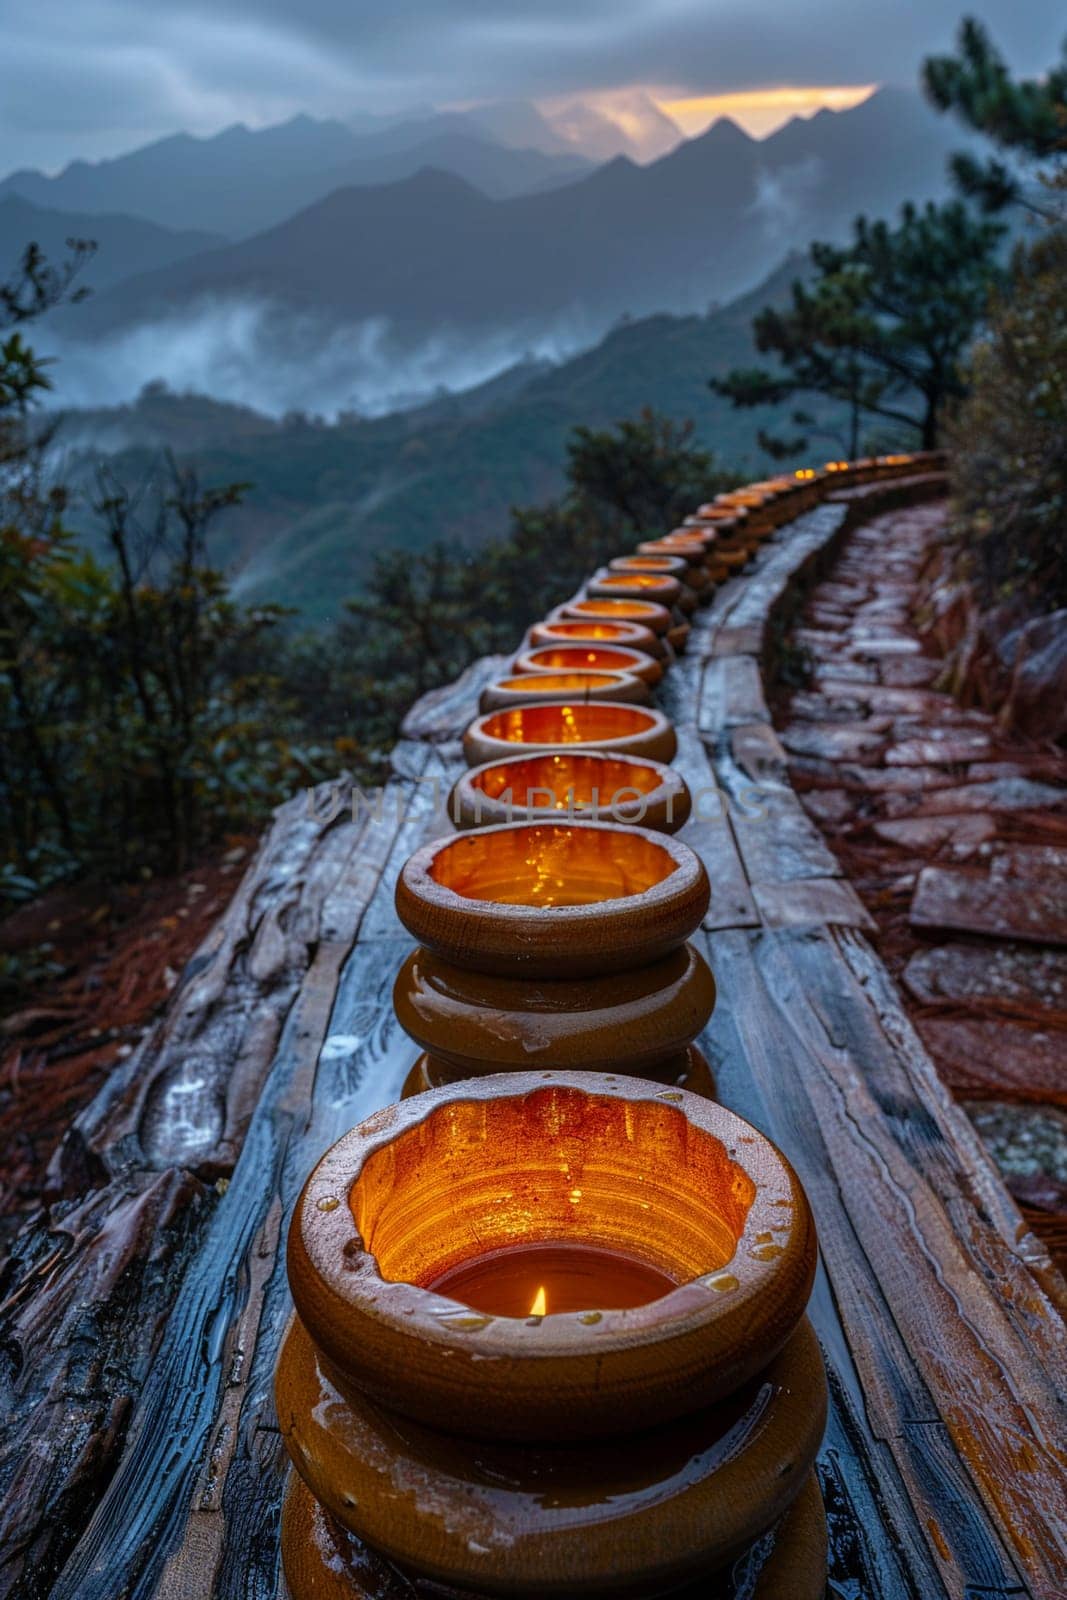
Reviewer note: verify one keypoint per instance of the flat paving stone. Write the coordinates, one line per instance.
(909, 672)
(828, 617)
(839, 669)
(846, 595)
(807, 707)
(998, 905)
(923, 703)
(998, 794)
(817, 638)
(955, 751)
(1015, 976)
(976, 1055)
(910, 784)
(847, 741)
(890, 645)
(828, 806)
(1047, 765)
(961, 833)
(1024, 1141)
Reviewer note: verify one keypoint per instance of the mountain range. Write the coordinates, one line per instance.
(432, 252)
(243, 180)
(445, 250)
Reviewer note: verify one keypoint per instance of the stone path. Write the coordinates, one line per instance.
(955, 837)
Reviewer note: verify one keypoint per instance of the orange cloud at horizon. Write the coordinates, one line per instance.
(760, 111)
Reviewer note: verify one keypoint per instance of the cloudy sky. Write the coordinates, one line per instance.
(90, 78)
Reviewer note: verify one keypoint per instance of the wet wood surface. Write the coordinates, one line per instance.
(141, 1324)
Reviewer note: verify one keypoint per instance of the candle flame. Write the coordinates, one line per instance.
(540, 1303)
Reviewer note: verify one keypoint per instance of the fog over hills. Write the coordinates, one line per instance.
(327, 497)
(375, 296)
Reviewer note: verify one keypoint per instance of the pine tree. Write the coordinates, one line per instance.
(1025, 117)
(881, 324)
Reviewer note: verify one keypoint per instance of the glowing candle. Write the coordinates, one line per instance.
(540, 1278)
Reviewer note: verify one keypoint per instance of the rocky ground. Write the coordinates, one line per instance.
(95, 965)
(954, 833)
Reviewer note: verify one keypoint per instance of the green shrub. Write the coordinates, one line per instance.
(1009, 442)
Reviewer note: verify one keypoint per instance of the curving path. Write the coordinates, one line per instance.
(141, 1326)
(954, 833)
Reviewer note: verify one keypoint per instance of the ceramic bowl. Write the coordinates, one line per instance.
(586, 786)
(587, 725)
(649, 613)
(661, 587)
(558, 629)
(638, 1022)
(661, 1175)
(587, 656)
(553, 899)
(564, 688)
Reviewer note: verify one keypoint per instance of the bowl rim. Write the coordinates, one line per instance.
(638, 661)
(721, 1307)
(655, 721)
(666, 585)
(515, 689)
(491, 935)
(649, 613)
(671, 792)
(422, 889)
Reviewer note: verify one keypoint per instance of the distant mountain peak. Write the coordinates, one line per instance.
(724, 130)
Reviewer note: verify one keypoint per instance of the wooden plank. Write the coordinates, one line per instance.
(811, 902)
(759, 753)
(443, 714)
(746, 640)
(775, 1065)
(709, 831)
(777, 839)
(987, 1341)
(185, 1096)
(113, 1262)
(731, 694)
(710, 834)
(222, 1336)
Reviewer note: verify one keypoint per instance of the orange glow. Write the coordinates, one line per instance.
(561, 683)
(631, 580)
(760, 111)
(550, 864)
(566, 780)
(589, 630)
(592, 723)
(558, 1167)
(617, 608)
(575, 659)
(580, 1278)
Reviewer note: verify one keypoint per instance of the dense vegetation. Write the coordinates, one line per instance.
(1009, 468)
(136, 718)
(880, 325)
(1009, 464)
